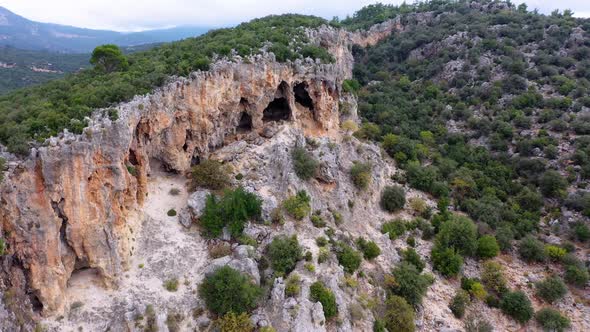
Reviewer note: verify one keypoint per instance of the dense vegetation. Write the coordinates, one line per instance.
(39, 112)
(485, 106)
(227, 290)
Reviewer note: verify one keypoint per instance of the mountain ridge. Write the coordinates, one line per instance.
(20, 32)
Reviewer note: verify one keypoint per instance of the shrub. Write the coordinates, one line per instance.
(370, 249)
(459, 233)
(478, 291)
(323, 255)
(554, 253)
(581, 231)
(531, 249)
(475, 323)
(492, 276)
(228, 290)
(399, 315)
(321, 241)
(349, 258)
(411, 256)
(393, 198)
(551, 289)
(394, 228)
(446, 261)
(408, 283)
(504, 236)
(219, 249)
(284, 253)
(304, 163)
(552, 320)
(210, 174)
(459, 303)
(234, 209)
(360, 174)
(293, 285)
(298, 206)
(232, 322)
(576, 275)
(518, 306)
(174, 192)
(171, 285)
(317, 221)
(319, 293)
(171, 213)
(487, 247)
(552, 184)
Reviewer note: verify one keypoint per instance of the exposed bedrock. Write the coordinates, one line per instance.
(64, 208)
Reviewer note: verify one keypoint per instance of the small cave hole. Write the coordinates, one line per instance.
(277, 110)
(302, 96)
(245, 123)
(195, 160)
(133, 158)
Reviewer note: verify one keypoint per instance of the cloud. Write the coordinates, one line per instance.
(132, 15)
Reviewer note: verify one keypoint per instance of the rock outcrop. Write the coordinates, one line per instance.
(65, 207)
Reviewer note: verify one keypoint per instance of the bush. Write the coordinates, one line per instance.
(552, 184)
(487, 247)
(475, 323)
(370, 249)
(298, 206)
(459, 233)
(349, 258)
(446, 261)
(171, 285)
(319, 293)
(531, 249)
(234, 209)
(554, 253)
(317, 221)
(576, 275)
(171, 213)
(459, 303)
(518, 306)
(394, 228)
(492, 276)
(232, 322)
(304, 163)
(360, 174)
(552, 320)
(228, 290)
(393, 198)
(411, 256)
(478, 291)
(581, 231)
(551, 289)
(210, 174)
(504, 236)
(399, 315)
(408, 283)
(293, 285)
(284, 253)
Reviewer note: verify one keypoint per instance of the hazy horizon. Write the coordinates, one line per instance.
(135, 15)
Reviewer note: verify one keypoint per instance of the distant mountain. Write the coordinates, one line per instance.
(21, 33)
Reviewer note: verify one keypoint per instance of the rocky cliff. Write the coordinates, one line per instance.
(65, 207)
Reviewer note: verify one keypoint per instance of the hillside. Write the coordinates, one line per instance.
(19, 32)
(409, 168)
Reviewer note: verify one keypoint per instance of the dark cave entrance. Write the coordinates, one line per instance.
(245, 123)
(302, 96)
(279, 108)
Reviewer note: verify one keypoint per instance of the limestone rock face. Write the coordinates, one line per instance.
(64, 208)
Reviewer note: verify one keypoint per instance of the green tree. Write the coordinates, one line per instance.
(459, 233)
(408, 283)
(399, 315)
(109, 58)
(319, 293)
(446, 260)
(552, 184)
(552, 320)
(349, 258)
(393, 198)
(518, 306)
(227, 290)
(551, 289)
(210, 174)
(531, 249)
(284, 253)
(487, 247)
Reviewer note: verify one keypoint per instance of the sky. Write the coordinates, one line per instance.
(135, 15)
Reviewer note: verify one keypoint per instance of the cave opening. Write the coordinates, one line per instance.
(133, 158)
(245, 123)
(279, 108)
(302, 96)
(195, 160)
